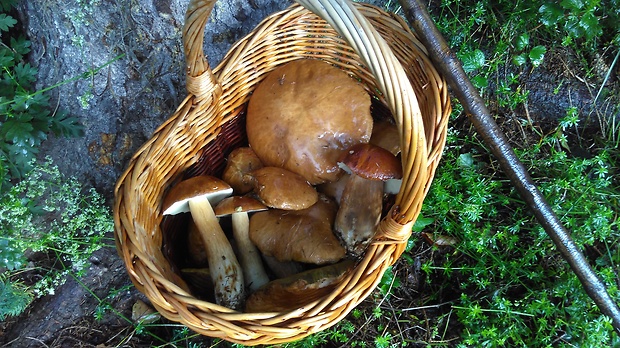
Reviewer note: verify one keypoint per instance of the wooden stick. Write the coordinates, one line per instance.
(450, 67)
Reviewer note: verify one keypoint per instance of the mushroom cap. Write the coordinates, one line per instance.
(203, 186)
(304, 114)
(282, 189)
(240, 162)
(238, 204)
(372, 162)
(297, 290)
(299, 235)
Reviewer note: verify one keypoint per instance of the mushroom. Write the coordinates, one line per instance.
(385, 135)
(238, 208)
(293, 292)
(362, 198)
(304, 114)
(334, 188)
(298, 235)
(200, 281)
(196, 195)
(197, 253)
(282, 189)
(240, 162)
(282, 269)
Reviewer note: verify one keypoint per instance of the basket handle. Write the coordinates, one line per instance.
(200, 80)
(392, 81)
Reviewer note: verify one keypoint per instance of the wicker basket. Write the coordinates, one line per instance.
(375, 47)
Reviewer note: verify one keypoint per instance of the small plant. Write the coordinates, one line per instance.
(25, 116)
(51, 217)
(515, 288)
(578, 19)
(14, 298)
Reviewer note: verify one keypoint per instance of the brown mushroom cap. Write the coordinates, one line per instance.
(238, 204)
(304, 114)
(240, 162)
(372, 162)
(300, 235)
(297, 290)
(212, 188)
(282, 189)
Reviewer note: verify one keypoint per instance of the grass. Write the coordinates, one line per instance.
(514, 288)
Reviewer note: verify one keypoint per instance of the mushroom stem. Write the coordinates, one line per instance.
(359, 213)
(224, 267)
(253, 270)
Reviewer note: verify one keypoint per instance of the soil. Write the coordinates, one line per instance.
(131, 97)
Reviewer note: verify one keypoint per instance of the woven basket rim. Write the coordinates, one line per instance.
(139, 249)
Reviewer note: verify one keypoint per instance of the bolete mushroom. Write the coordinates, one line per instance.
(282, 189)
(385, 135)
(196, 195)
(361, 202)
(334, 188)
(238, 208)
(282, 269)
(293, 292)
(240, 162)
(298, 235)
(200, 282)
(197, 254)
(304, 114)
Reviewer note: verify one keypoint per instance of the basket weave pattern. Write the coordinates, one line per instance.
(210, 123)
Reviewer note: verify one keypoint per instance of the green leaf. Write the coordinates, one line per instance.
(67, 126)
(591, 26)
(421, 222)
(573, 27)
(7, 4)
(473, 60)
(19, 159)
(519, 59)
(537, 55)
(388, 281)
(6, 22)
(572, 4)
(466, 160)
(11, 257)
(480, 82)
(25, 74)
(522, 41)
(6, 58)
(16, 131)
(21, 46)
(550, 14)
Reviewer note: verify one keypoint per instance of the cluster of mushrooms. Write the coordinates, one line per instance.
(305, 197)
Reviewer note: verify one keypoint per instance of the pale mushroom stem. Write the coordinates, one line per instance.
(253, 270)
(224, 267)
